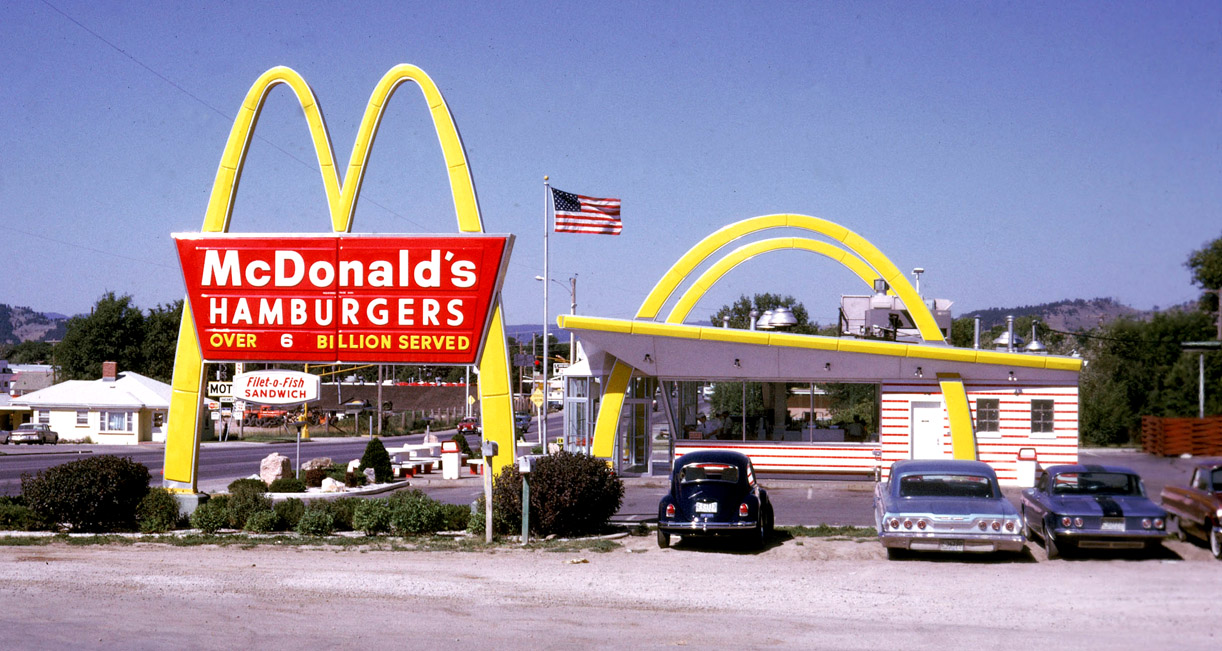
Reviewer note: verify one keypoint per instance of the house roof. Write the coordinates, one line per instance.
(130, 390)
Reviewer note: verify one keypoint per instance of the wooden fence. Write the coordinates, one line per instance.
(1171, 437)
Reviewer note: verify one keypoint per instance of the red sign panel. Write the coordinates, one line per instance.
(399, 299)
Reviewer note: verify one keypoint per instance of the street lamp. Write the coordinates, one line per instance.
(572, 289)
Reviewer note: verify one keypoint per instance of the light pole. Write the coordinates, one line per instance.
(572, 290)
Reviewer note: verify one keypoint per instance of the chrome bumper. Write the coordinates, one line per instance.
(935, 542)
(1096, 539)
(704, 526)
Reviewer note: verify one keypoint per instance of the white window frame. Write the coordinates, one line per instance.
(1050, 433)
(44, 417)
(82, 418)
(104, 424)
(988, 433)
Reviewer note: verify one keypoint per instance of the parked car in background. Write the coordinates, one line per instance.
(4, 434)
(1196, 509)
(1090, 506)
(945, 505)
(521, 420)
(714, 493)
(33, 433)
(470, 424)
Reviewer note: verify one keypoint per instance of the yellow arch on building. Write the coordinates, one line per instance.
(958, 411)
(182, 442)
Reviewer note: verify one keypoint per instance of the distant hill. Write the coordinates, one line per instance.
(1066, 316)
(18, 324)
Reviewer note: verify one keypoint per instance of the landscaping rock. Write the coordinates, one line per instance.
(319, 462)
(370, 475)
(354, 465)
(275, 466)
(330, 485)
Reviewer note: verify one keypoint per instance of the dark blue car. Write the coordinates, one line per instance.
(712, 493)
(1091, 506)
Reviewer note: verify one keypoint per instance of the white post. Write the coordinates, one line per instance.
(547, 199)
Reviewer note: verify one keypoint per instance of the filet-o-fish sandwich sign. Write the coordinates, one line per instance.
(399, 299)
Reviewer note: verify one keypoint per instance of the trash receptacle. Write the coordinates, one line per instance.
(1027, 465)
(451, 459)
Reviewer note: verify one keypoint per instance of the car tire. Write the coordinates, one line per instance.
(770, 523)
(1215, 542)
(1052, 551)
(1180, 535)
(663, 539)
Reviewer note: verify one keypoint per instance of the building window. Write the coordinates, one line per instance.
(82, 417)
(44, 416)
(116, 421)
(1041, 416)
(988, 417)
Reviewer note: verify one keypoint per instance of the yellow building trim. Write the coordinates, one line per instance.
(608, 411)
(959, 415)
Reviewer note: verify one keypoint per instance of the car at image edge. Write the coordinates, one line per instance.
(33, 433)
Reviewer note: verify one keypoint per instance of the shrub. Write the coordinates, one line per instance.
(247, 496)
(377, 458)
(341, 510)
(16, 516)
(413, 512)
(93, 494)
(315, 522)
(354, 479)
(500, 523)
(211, 516)
(158, 511)
(262, 521)
(454, 517)
(314, 477)
(372, 516)
(288, 514)
(571, 494)
(465, 447)
(287, 485)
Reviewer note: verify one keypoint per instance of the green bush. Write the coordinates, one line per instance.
(247, 496)
(315, 522)
(413, 512)
(454, 517)
(314, 477)
(262, 521)
(341, 510)
(158, 512)
(354, 479)
(16, 516)
(571, 494)
(288, 514)
(377, 458)
(94, 494)
(211, 516)
(500, 523)
(465, 447)
(372, 516)
(287, 485)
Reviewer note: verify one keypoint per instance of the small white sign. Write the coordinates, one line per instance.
(220, 389)
(276, 387)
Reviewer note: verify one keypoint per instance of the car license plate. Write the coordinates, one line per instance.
(1113, 524)
(951, 546)
(706, 507)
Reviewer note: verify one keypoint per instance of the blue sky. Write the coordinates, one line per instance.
(1019, 152)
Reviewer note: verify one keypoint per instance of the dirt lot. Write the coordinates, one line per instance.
(804, 592)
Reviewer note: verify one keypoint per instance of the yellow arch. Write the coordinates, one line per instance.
(182, 444)
(962, 430)
(698, 289)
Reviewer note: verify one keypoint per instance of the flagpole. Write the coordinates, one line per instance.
(547, 192)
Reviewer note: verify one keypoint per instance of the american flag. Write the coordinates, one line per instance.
(580, 214)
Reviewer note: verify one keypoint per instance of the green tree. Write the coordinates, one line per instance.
(30, 352)
(112, 331)
(161, 340)
(1206, 267)
(740, 312)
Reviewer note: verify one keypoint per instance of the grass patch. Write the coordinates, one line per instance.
(423, 543)
(81, 541)
(25, 541)
(828, 531)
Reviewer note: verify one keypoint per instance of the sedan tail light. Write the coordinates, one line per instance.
(1145, 523)
(996, 526)
(1066, 521)
(1010, 525)
(1158, 523)
(743, 511)
(1077, 522)
(895, 523)
(920, 524)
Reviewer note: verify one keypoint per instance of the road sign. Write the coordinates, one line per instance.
(470, 400)
(537, 398)
(220, 389)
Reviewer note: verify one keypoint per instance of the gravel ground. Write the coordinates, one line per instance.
(802, 592)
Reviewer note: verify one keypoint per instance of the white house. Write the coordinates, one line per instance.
(118, 409)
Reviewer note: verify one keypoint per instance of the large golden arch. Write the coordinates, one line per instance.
(182, 435)
(861, 257)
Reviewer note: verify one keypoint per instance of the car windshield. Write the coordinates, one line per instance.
(701, 472)
(945, 485)
(1096, 483)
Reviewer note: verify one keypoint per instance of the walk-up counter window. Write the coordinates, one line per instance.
(790, 412)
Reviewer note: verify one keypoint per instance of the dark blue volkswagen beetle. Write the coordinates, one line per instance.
(714, 492)
(1091, 506)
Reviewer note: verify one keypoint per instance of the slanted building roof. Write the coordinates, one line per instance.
(129, 390)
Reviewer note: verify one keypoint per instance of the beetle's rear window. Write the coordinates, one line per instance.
(1096, 483)
(708, 472)
(945, 485)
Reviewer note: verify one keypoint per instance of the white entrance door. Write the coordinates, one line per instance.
(928, 429)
